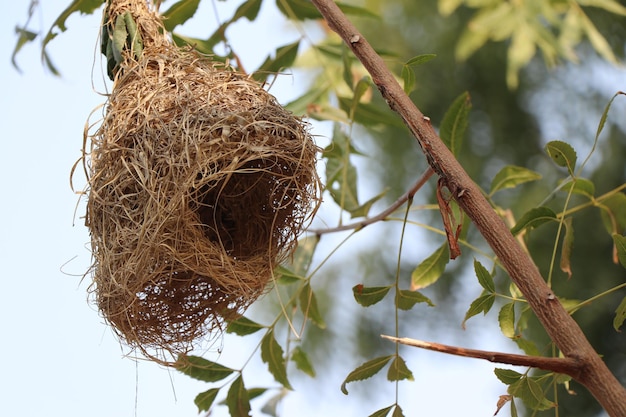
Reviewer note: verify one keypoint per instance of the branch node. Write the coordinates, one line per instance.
(355, 39)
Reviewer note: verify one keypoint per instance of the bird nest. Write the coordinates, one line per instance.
(199, 185)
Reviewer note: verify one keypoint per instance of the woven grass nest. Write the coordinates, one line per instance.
(199, 185)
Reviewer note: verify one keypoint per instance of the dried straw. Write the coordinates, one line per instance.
(199, 185)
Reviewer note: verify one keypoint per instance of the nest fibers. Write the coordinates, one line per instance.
(199, 184)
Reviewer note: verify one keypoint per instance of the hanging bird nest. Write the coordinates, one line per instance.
(199, 185)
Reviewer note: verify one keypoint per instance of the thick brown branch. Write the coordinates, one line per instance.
(566, 366)
(383, 214)
(559, 325)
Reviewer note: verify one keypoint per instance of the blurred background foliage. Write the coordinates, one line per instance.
(535, 71)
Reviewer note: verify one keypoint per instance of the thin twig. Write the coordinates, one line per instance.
(566, 366)
(383, 214)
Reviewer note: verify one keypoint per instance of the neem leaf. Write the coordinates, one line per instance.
(562, 154)
(534, 218)
(243, 326)
(202, 369)
(613, 213)
(398, 370)
(24, 36)
(507, 376)
(511, 176)
(580, 186)
(506, 319)
(302, 361)
(480, 305)
(179, 13)
(249, 10)
(454, 123)
(566, 249)
(397, 412)
(367, 370)
(205, 399)
(529, 390)
(405, 299)
(272, 355)
(82, 6)
(431, 268)
(382, 412)
(484, 277)
(367, 296)
(620, 244)
(308, 305)
(620, 315)
(283, 58)
(238, 400)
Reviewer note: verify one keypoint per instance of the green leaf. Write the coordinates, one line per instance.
(201, 369)
(454, 123)
(179, 13)
(620, 315)
(256, 392)
(529, 347)
(529, 390)
(356, 10)
(480, 305)
(243, 326)
(272, 355)
(298, 9)
(367, 370)
(24, 36)
(447, 7)
(302, 257)
(397, 412)
(367, 296)
(484, 277)
(346, 58)
(82, 6)
(613, 213)
(249, 10)
(534, 217)
(608, 5)
(286, 277)
(620, 244)
(408, 75)
(308, 305)
(507, 376)
(399, 371)
(369, 114)
(511, 176)
(383, 412)
(302, 361)
(566, 249)
(283, 58)
(580, 186)
(405, 299)
(408, 78)
(562, 154)
(506, 319)
(120, 35)
(200, 45)
(431, 268)
(205, 399)
(238, 400)
(364, 209)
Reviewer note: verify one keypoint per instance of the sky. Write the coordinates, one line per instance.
(60, 359)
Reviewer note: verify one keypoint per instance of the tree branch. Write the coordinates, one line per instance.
(559, 325)
(566, 366)
(383, 214)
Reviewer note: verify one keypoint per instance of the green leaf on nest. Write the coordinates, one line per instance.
(179, 13)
